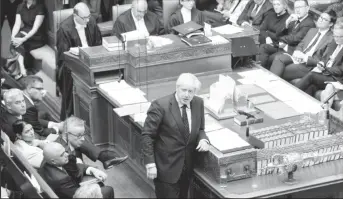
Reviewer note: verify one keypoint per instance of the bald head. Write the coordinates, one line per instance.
(139, 8)
(55, 154)
(82, 13)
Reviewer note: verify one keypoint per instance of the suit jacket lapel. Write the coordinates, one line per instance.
(262, 10)
(194, 112)
(175, 110)
(324, 40)
(338, 57)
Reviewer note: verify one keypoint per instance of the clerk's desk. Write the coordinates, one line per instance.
(123, 135)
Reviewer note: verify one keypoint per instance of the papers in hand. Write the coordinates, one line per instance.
(228, 29)
(74, 50)
(337, 85)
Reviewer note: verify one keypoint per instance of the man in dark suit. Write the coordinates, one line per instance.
(306, 53)
(34, 94)
(329, 69)
(78, 30)
(138, 18)
(63, 174)
(172, 132)
(297, 25)
(15, 107)
(254, 13)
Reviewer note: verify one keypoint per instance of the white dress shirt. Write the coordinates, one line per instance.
(186, 15)
(334, 55)
(81, 31)
(322, 33)
(140, 26)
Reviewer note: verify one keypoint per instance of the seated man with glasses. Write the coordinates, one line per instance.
(330, 66)
(78, 30)
(138, 18)
(306, 54)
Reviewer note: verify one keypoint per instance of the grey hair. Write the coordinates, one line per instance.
(88, 191)
(135, 2)
(187, 77)
(72, 121)
(10, 95)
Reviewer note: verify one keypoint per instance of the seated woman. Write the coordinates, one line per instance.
(28, 32)
(274, 23)
(27, 145)
(185, 14)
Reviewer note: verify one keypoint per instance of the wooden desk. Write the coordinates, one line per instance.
(123, 135)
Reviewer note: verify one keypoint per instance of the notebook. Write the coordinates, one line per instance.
(187, 28)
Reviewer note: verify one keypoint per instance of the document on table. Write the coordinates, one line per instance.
(258, 74)
(140, 117)
(228, 29)
(132, 109)
(128, 96)
(304, 106)
(225, 139)
(277, 110)
(249, 89)
(114, 85)
(261, 99)
(211, 124)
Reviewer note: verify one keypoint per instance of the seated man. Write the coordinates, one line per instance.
(156, 6)
(185, 14)
(306, 53)
(297, 25)
(63, 174)
(254, 13)
(329, 69)
(231, 9)
(138, 18)
(78, 30)
(15, 107)
(33, 94)
(73, 138)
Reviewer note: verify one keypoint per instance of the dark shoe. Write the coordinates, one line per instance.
(115, 161)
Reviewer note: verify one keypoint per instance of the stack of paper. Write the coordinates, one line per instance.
(132, 109)
(228, 29)
(114, 85)
(226, 140)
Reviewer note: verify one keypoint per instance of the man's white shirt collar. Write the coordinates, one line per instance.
(186, 15)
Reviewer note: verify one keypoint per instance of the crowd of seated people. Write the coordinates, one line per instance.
(292, 44)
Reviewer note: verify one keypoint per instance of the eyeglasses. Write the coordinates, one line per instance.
(40, 89)
(77, 136)
(323, 19)
(84, 18)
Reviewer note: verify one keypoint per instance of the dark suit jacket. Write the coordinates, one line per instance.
(163, 137)
(63, 184)
(260, 16)
(31, 117)
(6, 122)
(294, 34)
(125, 23)
(337, 66)
(326, 39)
(177, 19)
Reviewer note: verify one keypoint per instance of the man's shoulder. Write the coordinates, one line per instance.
(67, 23)
(123, 17)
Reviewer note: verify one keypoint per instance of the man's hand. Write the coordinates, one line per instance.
(269, 41)
(99, 174)
(151, 172)
(299, 56)
(281, 44)
(226, 14)
(245, 23)
(320, 67)
(203, 146)
(292, 17)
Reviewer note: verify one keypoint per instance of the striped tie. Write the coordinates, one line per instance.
(185, 122)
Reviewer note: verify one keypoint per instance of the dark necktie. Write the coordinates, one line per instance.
(313, 43)
(185, 121)
(296, 24)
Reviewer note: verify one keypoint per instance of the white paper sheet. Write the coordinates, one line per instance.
(128, 96)
(225, 139)
(132, 109)
(228, 29)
